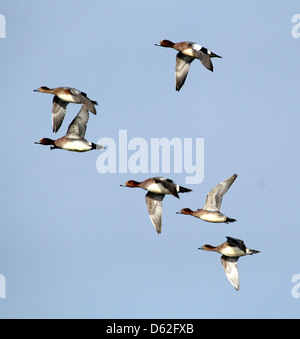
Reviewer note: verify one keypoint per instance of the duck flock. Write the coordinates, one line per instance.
(156, 187)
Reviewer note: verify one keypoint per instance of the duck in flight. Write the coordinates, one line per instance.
(231, 251)
(157, 188)
(211, 211)
(62, 97)
(74, 139)
(187, 52)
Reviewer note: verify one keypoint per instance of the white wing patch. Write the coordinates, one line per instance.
(197, 47)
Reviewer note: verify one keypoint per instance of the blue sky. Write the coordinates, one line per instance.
(73, 243)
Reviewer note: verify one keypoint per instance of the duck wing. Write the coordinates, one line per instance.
(236, 243)
(168, 184)
(205, 60)
(154, 203)
(231, 270)
(78, 125)
(215, 196)
(84, 99)
(183, 64)
(58, 112)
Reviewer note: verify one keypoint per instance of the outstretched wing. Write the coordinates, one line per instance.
(78, 125)
(215, 196)
(58, 112)
(183, 64)
(231, 270)
(154, 203)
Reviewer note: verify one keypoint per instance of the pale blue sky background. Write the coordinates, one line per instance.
(73, 243)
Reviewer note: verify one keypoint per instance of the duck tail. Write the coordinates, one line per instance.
(96, 146)
(253, 251)
(230, 220)
(214, 55)
(184, 190)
